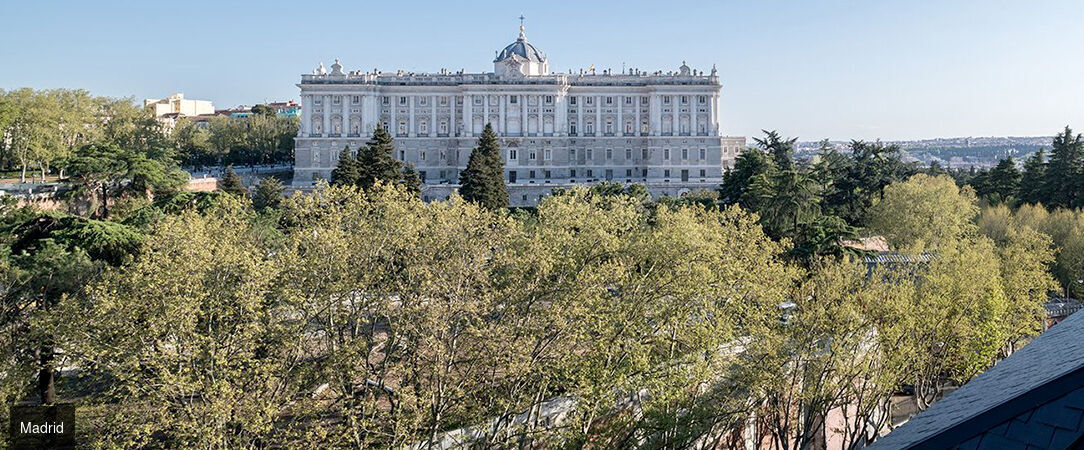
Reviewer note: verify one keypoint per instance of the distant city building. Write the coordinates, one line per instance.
(556, 130)
(177, 105)
(286, 109)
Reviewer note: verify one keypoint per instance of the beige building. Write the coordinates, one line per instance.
(177, 105)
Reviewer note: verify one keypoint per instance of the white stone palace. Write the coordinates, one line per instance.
(660, 129)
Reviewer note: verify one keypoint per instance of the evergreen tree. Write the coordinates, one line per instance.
(1031, 181)
(936, 169)
(1065, 171)
(347, 172)
(231, 183)
(483, 180)
(268, 194)
(1003, 181)
(377, 161)
(411, 179)
(737, 181)
(781, 150)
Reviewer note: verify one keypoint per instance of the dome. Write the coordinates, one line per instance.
(523, 49)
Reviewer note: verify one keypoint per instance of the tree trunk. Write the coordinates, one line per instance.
(22, 178)
(105, 201)
(46, 376)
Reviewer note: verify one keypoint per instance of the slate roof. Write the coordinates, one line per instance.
(1062, 307)
(523, 49)
(1033, 399)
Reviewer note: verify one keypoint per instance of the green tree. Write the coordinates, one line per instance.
(1032, 180)
(105, 171)
(376, 161)
(1002, 182)
(231, 183)
(737, 182)
(411, 180)
(264, 110)
(924, 213)
(874, 166)
(781, 150)
(786, 200)
(1065, 171)
(347, 171)
(483, 180)
(268, 194)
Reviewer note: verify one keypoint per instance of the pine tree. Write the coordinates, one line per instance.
(781, 150)
(483, 180)
(737, 181)
(268, 194)
(1003, 181)
(347, 172)
(411, 180)
(1031, 181)
(231, 183)
(1065, 171)
(377, 161)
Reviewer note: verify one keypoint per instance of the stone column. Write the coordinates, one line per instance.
(393, 124)
(306, 116)
(411, 130)
(636, 126)
(538, 118)
(579, 115)
(675, 106)
(523, 128)
(502, 111)
(468, 115)
(451, 115)
(655, 114)
(694, 126)
(432, 116)
(620, 120)
(327, 115)
(598, 115)
(485, 109)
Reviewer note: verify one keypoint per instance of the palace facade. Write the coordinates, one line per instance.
(556, 130)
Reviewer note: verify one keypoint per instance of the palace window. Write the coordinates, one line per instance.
(444, 101)
(589, 173)
(609, 154)
(645, 173)
(402, 127)
(702, 99)
(513, 99)
(590, 155)
(384, 100)
(572, 100)
(513, 154)
(443, 156)
(589, 128)
(531, 173)
(609, 126)
(628, 127)
(609, 174)
(628, 100)
(421, 155)
(546, 174)
(684, 99)
(666, 154)
(357, 99)
(628, 172)
(684, 154)
(423, 128)
(572, 173)
(628, 154)
(590, 100)
(548, 99)
(609, 100)
(402, 100)
(547, 154)
(424, 101)
(402, 155)
(643, 100)
(336, 99)
(385, 125)
(572, 128)
(703, 173)
(571, 154)
(443, 127)
(703, 154)
(666, 99)
(666, 174)
(477, 100)
(532, 155)
(643, 153)
(318, 100)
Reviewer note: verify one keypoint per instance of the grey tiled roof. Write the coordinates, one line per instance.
(523, 49)
(1033, 394)
(1062, 307)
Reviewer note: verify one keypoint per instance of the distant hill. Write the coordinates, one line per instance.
(962, 152)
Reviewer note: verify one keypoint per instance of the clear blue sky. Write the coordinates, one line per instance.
(809, 68)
